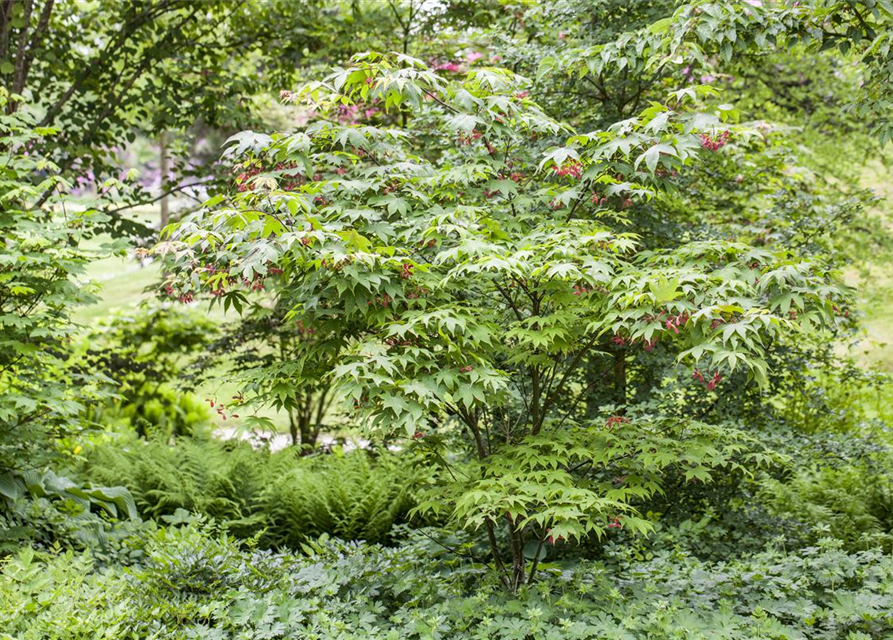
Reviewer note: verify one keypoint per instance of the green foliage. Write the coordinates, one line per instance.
(53, 510)
(627, 465)
(146, 351)
(706, 34)
(60, 598)
(196, 584)
(257, 351)
(42, 259)
(197, 475)
(284, 498)
(581, 261)
(347, 497)
(102, 72)
(851, 503)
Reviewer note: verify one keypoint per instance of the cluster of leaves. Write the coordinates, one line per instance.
(48, 509)
(694, 36)
(853, 503)
(194, 583)
(104, 73)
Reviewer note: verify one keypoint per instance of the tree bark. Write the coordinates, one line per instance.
(23, 65)
(12, 105)
(620, 376)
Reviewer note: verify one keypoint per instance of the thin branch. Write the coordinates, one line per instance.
(153, 200)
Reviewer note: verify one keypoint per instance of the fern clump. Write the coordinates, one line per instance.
(284, 497)
(853, 503)
(347, 496)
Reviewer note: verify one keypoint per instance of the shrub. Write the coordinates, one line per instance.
(42, 261)
(144, 352)
(500, 289)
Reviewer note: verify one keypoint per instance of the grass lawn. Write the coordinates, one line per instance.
(875, 289)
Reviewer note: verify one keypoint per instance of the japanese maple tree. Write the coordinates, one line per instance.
(478, 272)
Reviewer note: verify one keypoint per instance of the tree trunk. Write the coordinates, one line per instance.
(307, 438)
(518, 559)
(293, 428)
(593, 403)
(164, 163)
(620, 376)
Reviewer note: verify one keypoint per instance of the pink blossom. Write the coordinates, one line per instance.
(473, 56)
(447, 66)
(714, 144)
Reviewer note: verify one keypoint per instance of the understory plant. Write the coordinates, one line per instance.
(194, 583)
(42, 262)
(282, 498)
(144, 352)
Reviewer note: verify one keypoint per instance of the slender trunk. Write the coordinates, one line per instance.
(592, 399)
(23, 64)
(536, 558)
(307, 439)
(497, 557)
(164, 163)
(514, 578)
(518, 559)
(19, 66)
(6, 7)
(620, 376)
(293, 428)
(321, 408)
(535, 399)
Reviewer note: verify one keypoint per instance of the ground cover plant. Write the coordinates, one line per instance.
(500, 319)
